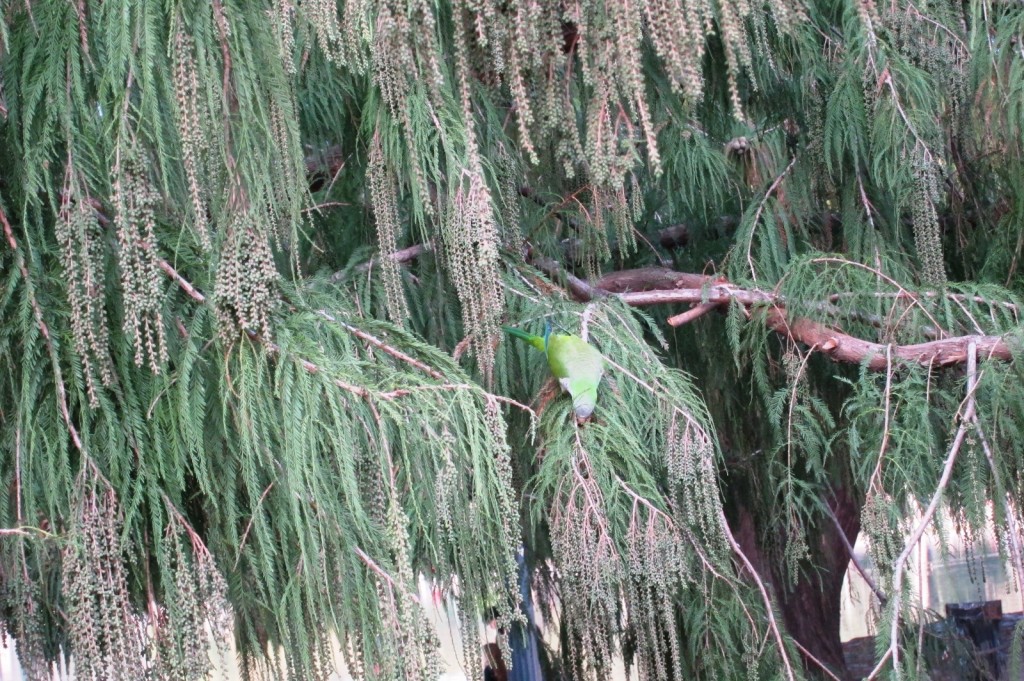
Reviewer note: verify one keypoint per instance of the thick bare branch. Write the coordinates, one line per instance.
(838, 345)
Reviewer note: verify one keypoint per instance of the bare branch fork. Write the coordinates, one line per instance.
(967, 416)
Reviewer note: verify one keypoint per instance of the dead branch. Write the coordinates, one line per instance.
(821, 337)
(660, 286)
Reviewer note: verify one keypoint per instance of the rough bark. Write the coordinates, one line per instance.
(811, 607)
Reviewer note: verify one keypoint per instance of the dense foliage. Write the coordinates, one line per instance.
(257, 253)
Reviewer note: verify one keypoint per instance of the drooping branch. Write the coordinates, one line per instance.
(359, 391)
(765, 596)
(37, 311)
(198, 296)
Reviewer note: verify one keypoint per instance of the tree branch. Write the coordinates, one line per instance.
(820, 337)
(383, 574)
(634, 288)
(580, 289)
(660, 286)
(37, 311)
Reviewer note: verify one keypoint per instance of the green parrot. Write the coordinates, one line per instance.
(576, 364)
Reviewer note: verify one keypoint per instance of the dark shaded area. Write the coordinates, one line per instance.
(951, 654)
(810, 607)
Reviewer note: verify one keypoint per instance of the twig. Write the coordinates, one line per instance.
(17, 473)
(812, 658)
(580, 289)
(904, 293)
(757, 215)
(360, 391)
(198, 545)
(880, 665)
(383, 574)
(1014, 536)
(25, 531)
(378, 343)
(853, 558)
(198, 296)
(588, 312)
(693, 313)
(185, 285)
(326, 204)
(769, 611)
(402, 256)
(885, 425)
(252, 519)
(461, 347)
(670, 522)
(37, 311)
(402, 392)
(719, 294)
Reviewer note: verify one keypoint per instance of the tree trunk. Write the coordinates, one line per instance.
(811, 607)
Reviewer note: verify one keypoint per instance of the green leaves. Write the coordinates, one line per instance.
(210, 190)
(846, 125)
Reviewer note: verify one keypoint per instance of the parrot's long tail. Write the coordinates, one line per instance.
(532, 339)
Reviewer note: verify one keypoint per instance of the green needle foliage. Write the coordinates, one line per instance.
(255, 260)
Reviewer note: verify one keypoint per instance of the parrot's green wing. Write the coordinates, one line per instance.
(578, 366)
